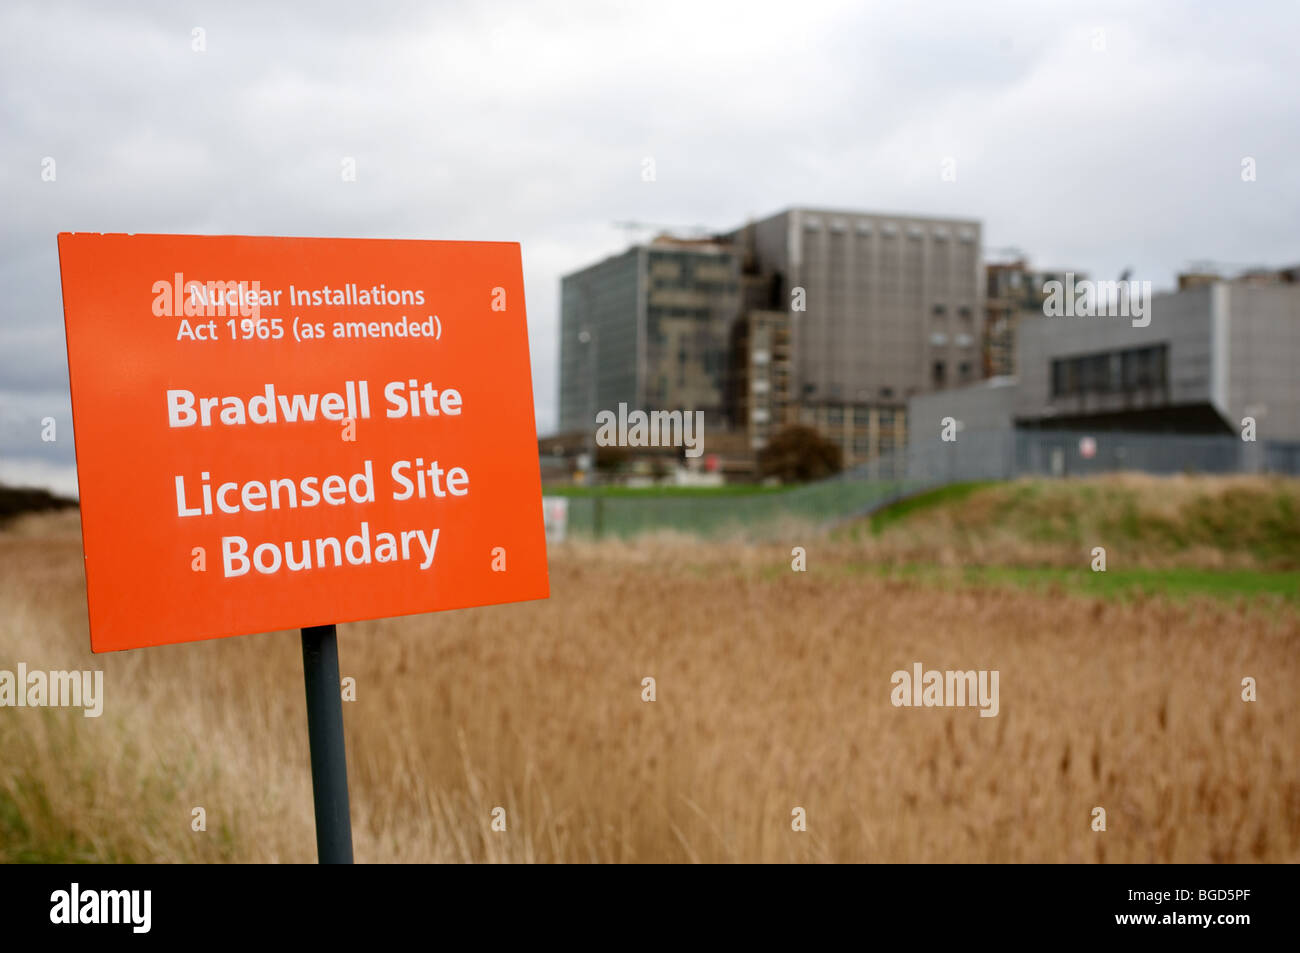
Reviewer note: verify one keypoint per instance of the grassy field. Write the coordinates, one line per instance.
(1201, 522)
(773, 692)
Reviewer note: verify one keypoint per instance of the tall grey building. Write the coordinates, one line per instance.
(650, 328)
(892, 307)
(879, 308)
(893, 302)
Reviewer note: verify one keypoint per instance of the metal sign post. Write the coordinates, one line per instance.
(329, 765)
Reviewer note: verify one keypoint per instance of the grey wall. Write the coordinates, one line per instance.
(692, 298)
(603, 298)
(866, 334)
(984, 407)
(1263, 359)
(1180, 320)
(1233, 346)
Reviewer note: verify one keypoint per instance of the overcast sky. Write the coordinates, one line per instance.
(530, 122)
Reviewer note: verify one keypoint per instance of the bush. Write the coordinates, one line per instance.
(797, 454)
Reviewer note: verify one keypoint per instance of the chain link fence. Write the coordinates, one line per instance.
(759, 513)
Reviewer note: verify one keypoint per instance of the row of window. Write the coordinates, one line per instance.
(963, 312)
(860, 416)
(888, 229)
(886, 393)
(862, 446)
(1138, 368)
(939, 373)
(939, 339)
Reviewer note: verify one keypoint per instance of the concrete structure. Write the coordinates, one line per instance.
(1211, 355)
(830, 317)
(761, 383)
(984, 407)
(599, 305)
(1013, 291)
(882, 307)
(892, 301)
(1208, 272)
(862, 432)
(650, 328)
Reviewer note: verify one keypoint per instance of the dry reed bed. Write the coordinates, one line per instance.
(773, 692)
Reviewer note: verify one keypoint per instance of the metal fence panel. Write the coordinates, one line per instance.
(990, 455)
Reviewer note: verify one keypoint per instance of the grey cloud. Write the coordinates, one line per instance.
(528, 122)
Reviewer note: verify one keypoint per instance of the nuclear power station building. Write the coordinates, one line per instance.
(828, 317)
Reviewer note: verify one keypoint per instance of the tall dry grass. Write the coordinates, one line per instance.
(773, 692)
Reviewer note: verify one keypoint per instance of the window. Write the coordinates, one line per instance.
(939, 374)
(940, 309)
(1140, 368)
(1143, 368)
(1062, 383)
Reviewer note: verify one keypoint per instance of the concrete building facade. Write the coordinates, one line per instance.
(1211, 355)
(882, 307)
(828, 317)
(761, 380)
(1013, 292)
(892, 302)
(650, 328)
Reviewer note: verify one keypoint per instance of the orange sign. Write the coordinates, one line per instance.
(274, 433)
